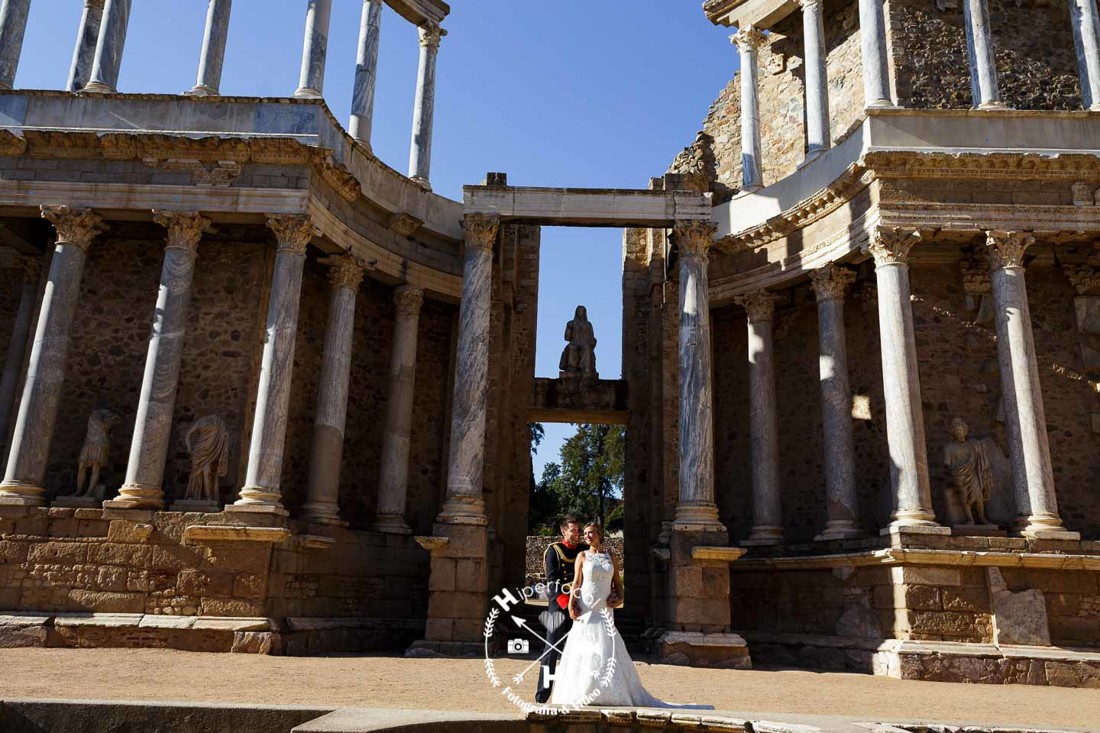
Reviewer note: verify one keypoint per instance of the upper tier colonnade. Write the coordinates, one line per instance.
(97, 59)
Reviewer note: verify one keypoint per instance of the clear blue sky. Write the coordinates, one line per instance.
(586, 93)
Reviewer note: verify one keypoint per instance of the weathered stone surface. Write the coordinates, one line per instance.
(1018, 618)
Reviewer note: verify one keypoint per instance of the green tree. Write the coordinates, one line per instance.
(590, 473)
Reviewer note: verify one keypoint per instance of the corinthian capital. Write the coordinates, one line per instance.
(809, 4)
(891, 245)
(77, 227)
(345, 272)
(293, 232)
(430, 35)
(1006, 249)
(747, 39)
(759, 305)
(185, 228)
(694, 238)
(831, 282)
(408, 299)
(481, 230)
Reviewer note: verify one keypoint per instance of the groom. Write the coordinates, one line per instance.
(559, 561)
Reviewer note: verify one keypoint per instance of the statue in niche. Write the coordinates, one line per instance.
(208, 444)
(971, 463)
(96, 453)
(579, 357)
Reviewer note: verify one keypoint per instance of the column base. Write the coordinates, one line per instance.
(255, 500)
(195, 505)
(17, 493)
(696, 649)
(136, 497)
(391, 524)
(811, 156)
(326, 514)
(307, 93)
(424, 183)
(764, 535)
(463, 510)
(96, 87)
(896, 529)
(839, 530)
(880, 104)
(201, 90)
(1044, 527)
(697, 518)
(992, 105)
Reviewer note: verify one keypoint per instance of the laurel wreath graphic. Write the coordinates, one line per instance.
(490, 670)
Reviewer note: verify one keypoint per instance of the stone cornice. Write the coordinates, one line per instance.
(897, 556)
(922, 164)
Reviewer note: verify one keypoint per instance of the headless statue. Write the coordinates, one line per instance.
(579, 357)
(208, 444)
(96, 452)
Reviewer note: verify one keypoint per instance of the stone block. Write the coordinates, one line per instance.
(58, 553)
(255, 642)
(111, 578)
(172, 557)
(688, 581)
(918, 597)
(116, 554)
(249, 585)
(13, 552)
(1087, 310)
(230, 607)
(469, 630)
(967, 599)
(1018, 618)
(947, 623)
(121, 530)
(251, 558)
(457, 605)
(439, 629)
(1074, 630)
(105, 602)
(470, 575)
(925, 575)
(704, 612)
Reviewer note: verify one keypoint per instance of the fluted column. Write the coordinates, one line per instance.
(696, 509)
(900, 379)
(84, 52)
(818, 137)
(397, 438)
(213, 48)
(1025, 419)
(465, 464)
(260, 492)
(1085, 23)
(322, 499)
(748, 41)
(311, 80)
(767, 512)
(830, 284)
(872, 38)
(366, 72)
(979, 47)
(30, 443)
(13, 25)
(108, 47)
(420, 157)
(17, 345)
(144, 484)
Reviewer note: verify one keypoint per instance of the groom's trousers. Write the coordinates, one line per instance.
(558, 624)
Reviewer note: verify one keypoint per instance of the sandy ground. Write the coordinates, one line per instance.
(446, 684)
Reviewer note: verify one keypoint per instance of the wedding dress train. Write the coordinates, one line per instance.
(595, 668)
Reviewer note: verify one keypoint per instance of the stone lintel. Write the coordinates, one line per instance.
(315, 542)
(233, 533)
(588, 206)
(580, 400)
(717, 554)
(761, 14)
(896, 556)
(419, 12)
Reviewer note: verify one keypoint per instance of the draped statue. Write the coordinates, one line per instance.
(579, 357)
(208, 444)
(970, 464)
(96, 452)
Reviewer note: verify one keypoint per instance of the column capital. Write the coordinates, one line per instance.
(345, 271)
(74, 226)
(408, 299)
(430, 35)
(292, 231)
(747, 39)
(1006, 249)
(809, 4)
(891, 245)
(32, 268)
(759, 305)
(481, 230)
(694, 238)
(831, 282)
(185, 228)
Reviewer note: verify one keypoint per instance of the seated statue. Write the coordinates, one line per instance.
(208, 443)
(579, 357)
(970, 463)
(96, 452)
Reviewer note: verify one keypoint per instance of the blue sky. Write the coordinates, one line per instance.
(585, 93)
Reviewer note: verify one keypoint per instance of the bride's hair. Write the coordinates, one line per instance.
(596, 526)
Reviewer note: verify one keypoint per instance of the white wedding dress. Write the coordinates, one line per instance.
(595, 668)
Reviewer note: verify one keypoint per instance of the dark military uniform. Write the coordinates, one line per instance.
(560, 561)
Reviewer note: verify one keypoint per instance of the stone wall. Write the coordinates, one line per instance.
(1035, 71)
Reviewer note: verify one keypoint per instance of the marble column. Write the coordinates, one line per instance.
(214, 37)
(872, 37)
(830, 284)
(748, 41)
(465, 463)
(17, 345)
(420, 157)
(84, 52)
(260, 492)
(397, 438)
(311, 80)
(1028, 445)
(366, 72)
(13, 25)
(30, 443)
(901, 380)
(979, 47)
(767, 513)
(322, 498)
(108, 47)
(144, 484)
(818, 136)
(1085, 23)
(696, 509)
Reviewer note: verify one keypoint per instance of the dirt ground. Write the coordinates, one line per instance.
(449, 684)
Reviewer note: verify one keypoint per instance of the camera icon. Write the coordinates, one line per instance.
(519, 646)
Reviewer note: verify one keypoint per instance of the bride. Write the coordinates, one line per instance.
(595, 668)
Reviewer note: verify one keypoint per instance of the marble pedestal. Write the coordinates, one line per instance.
(196, 505)
(457, 590)
(77, 502)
